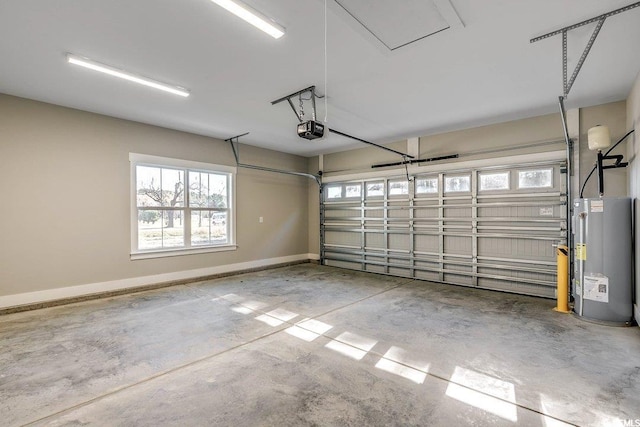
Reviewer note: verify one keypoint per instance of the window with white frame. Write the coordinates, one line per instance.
(398, 187)
(426, 185)
(494, 181)
(535, 178)
(453, 184)
(343, 191)
(352, 190)
(375, 189)
(334, 192)
(180, 206)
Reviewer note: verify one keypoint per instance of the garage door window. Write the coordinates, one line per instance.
(375, 189)
(535, 178)
(494, 181)
(398, 187)
(426, 185)
(334, 192)
(343, 191)
(453, 184)
(352, 190)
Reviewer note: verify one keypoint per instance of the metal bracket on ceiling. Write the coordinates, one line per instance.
(300, 114)
(233, 146)
(566, 85)
(236, 138)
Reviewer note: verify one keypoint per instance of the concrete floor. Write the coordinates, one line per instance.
(313, 345)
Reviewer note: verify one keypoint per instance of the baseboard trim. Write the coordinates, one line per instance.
(636, 313)
(67, 295)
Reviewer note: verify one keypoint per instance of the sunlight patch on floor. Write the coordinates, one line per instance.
(398, 361)
(308, 329)
(484, 392)
(351, 345)
(277, 317)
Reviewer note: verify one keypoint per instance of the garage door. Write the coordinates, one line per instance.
(491, 227)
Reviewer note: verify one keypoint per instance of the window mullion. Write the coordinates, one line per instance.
(187, 209)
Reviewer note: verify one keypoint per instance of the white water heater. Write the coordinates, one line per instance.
(602, 285)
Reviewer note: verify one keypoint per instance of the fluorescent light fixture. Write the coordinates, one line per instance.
(112, 71)
(252, 16)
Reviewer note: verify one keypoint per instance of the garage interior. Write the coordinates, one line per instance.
(388, 254)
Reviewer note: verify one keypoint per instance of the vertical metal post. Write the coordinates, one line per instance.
(562, 287)
(565, 90)
(386, 225)
(322, 254)
(441, 225)
(412, 235)
(569, 144)
(474, 226)
(363, 234)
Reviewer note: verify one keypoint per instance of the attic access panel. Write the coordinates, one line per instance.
(399, 23)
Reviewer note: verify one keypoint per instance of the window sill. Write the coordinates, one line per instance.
(180, 252)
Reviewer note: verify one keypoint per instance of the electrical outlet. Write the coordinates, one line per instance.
(261, 220)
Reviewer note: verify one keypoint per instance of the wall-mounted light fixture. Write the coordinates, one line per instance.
(115, 72)
(252, 16)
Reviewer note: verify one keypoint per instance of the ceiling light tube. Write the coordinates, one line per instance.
(252, 16)
(112, 71)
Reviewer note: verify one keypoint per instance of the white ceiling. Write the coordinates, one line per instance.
(484, 72)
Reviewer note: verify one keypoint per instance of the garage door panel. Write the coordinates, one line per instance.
(529, 249)
(458, 279)
(473, 227)
(457, 244)
(457, 212)
(399, 212)
(468, 269)
(433, 276)
(399, 241)
(372, 268)
(421, 211)
(343, 238)
(521, 288)
(374, 212)
(432, 263)
(401, 272)
(343, 264)
(522, 273)
(427, 243)
(374, 241)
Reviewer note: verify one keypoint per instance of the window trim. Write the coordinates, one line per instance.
(377, 196)
(398, 195)
(351, 184)
(427, 193)
(540, 188)
(331, 199)
(494, 172)
(135, 160)
(457, 175)
(343, 192)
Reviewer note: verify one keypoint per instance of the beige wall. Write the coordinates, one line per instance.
(498, 136)
(65, 185)
(614, 116)
(502, 139)
(633, 149)
(314, 208)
